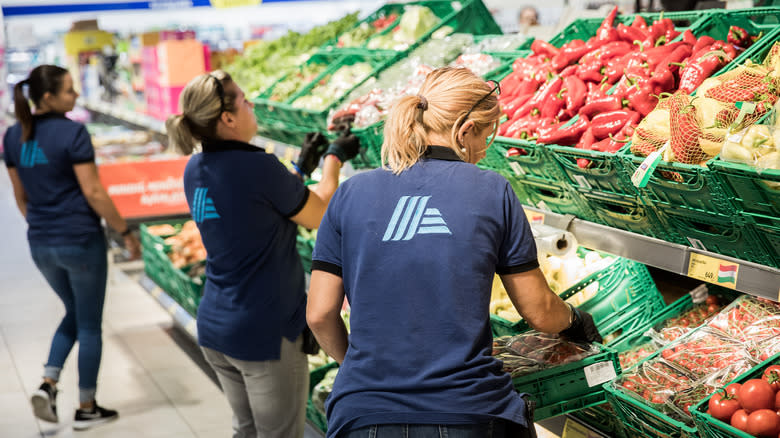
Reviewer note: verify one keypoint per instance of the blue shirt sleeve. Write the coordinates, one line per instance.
(327, 251)
(287, 193)
(7, 156)
(81, 150)
(517, 252)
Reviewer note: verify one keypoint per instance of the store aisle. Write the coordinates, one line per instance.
(159, 391)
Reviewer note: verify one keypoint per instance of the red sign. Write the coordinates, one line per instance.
(146, 188)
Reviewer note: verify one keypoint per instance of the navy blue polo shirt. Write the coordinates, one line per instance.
(417, 253)
(57, 211)
(242, 199)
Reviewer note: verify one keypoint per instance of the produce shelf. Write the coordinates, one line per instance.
(180, 316)
(752, 278)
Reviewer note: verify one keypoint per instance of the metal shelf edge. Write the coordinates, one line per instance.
(759, 280)
(180, 316)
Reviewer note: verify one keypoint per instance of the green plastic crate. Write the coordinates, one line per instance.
(768, 233)
(157, 265)
(534, 161)
(316, 120)
(623, 212)
(305, 248)
(462, 16)
(627, 299)
(710, 427)
(728, 235)
(750, 191)
(282, 132)
(565, 388)
(550, 197)
(584, 28)
(189, 290)
(602, 418)
(604, 175)
(315, 417)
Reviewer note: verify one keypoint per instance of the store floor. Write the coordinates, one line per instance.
(151, 372)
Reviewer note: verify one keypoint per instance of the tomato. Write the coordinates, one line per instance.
(722, 406)
(739, 420)
(712, 308)
(763, 423)
(733, 388)
(711, 299)
(777, 402)
(756, 394)
(772, 376)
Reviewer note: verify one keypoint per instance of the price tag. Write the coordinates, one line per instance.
(599, 372)
(642, 175)
(582, 181)
(542, 206)
(534, 217)
(517, 168)
(573, 429)
(712, 270)
(220, 4)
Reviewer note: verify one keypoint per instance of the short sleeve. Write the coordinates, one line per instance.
(327, 251)
(285, 191)
(518, 249)
(9, 162)
(81, 150)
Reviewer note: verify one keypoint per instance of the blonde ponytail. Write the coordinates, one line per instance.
(201, 107)
(448, 97)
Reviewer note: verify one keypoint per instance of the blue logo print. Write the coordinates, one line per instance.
(203, 206)
(32, 154)
(411, 217)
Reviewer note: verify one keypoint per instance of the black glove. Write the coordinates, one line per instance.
(345, 148)
(311, 151)
(582, 328)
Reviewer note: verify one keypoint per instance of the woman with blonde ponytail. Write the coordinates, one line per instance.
(414, 246)
(247, 206)
(51, 164)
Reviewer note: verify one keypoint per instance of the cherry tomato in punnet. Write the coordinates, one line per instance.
(739, 420)
(763, 423)
(772, 376)
(711, 299)
(712, 308)
(756, 394)
(722, 406)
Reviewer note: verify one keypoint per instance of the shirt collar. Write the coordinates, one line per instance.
(444, 153)
(229, 145)
(49, 115)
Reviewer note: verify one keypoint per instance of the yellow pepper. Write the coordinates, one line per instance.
(758, 137)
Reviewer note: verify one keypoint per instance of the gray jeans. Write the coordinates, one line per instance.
(268, 398)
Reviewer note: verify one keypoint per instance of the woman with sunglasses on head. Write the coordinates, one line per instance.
(247, 206)
(51, 164)
(417, 267)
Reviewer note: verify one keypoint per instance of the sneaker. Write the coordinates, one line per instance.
(86, 418)
(44, 403)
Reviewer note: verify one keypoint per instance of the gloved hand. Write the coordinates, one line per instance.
(582, 328)
(311, 151)
(345, 148)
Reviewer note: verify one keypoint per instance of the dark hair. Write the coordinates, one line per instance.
(43, 79)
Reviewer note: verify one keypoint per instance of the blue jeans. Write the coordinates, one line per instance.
(77, 273)
(494, 429)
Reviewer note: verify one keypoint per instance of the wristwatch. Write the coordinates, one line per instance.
(129, 230)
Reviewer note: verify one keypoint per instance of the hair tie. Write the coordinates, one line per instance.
(423, 105)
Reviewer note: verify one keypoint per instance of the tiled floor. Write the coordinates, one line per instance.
(146, 372)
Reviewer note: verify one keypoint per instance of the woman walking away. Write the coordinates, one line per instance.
(51, 164)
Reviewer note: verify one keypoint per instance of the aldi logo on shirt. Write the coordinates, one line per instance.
(202, 206)
(32, 155)
(411, 217)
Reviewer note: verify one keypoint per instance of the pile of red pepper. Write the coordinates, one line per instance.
(592, 94)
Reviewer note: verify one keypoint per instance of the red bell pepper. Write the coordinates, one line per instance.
(591, 71)
(642, 98)
(569, 54)
(576, 91)
(525, 125)
(739, 36)
(695, 73)
(615, 143)
(673, 62)
(685, 132)
(689, 38)
(569, 71)
(662, 81)
(595, 91)
(611, 122)
(513, 88)
(587, 139)
(604, 104)
(728, 94)
(551, 88)
(553, 105)
(615, 49)
(606, 31)
(670, 35)
(567, 136)
(541, 47)
(630, 34)
(511, 108)
(639, 23)
(704, 41)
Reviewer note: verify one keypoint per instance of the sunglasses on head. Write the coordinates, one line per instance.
(496, 88)
(220, 93)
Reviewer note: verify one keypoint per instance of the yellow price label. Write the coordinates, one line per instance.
(534, 217)
(221, 4)
(289, 154)
(572, 429)
(270, 147)
(713, 270)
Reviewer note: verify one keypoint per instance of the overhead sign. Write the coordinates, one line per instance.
(13, 8)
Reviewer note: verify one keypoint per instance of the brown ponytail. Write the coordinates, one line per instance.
(43, 79)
